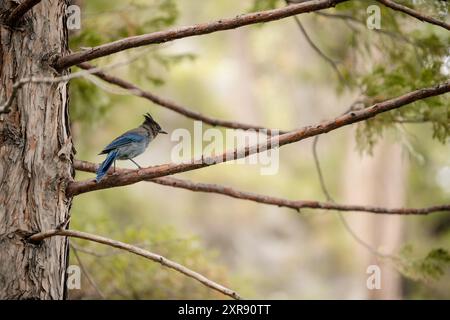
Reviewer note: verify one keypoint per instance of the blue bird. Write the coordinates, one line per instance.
(129, 145)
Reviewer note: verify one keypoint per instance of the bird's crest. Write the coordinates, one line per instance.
(148, 117)
(152, 124)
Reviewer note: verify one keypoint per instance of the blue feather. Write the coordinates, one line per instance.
(103, 169)
(129, 145)
(126, 138)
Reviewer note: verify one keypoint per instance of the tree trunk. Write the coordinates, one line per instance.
(376, 180)
(35, 156)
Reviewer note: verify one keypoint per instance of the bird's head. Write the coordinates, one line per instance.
(152, 125)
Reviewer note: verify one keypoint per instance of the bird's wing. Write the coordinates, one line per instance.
(126, 138)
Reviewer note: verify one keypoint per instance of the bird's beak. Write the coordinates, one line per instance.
(162, 131)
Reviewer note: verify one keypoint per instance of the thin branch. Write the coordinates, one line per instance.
(329, 198)
(92, 252)
(20, 11)
(323, 186)
(349, 18)
(316, 48)
(413, 121)
(341, 217)
(86, 273)
(342, 16)
(114, 252)
(133, 89)
(38, 237)
(279, 202)
(193, 30)
(422, 17)
(319, 51)
(5, 107)
(127, 178)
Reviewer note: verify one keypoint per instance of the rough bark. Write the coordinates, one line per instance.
(35, 155)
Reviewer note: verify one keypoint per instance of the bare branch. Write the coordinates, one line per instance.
(279, 202)
(133, 89)
(38, 237)
(86, 273)
(134, 176)
(341, 16)
(323, 186)
(114, 252)
(315, 47)
(20, 10)
(92, 252)
(194, 30)
(424, 18)
(341, 217)
(318, 50)
(5, 107)
(349, 18)
(412, 121)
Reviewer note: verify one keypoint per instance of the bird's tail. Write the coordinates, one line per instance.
(103, 169)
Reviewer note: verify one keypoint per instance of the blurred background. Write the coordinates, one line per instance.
(269, 75)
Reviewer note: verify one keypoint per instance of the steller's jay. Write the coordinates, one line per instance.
(129, 145)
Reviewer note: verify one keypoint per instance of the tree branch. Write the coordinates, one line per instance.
(127, 178)
(86, 273)
(133, 89)
(424, 18)
(279, 202)
(318, 50)
(349, 18)
(20, 10)
(194, 30)
(5, 107)
(315, 47)
(138, 251)
(341, 217)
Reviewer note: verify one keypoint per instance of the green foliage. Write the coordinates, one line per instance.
(430, 268)
(384, 83)
(121, 275)
(88, 102)
(122, 19)
(260, 5)
(435, 8)
(396, 60)
(368, 133)
(381, 65)
(156, 66)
